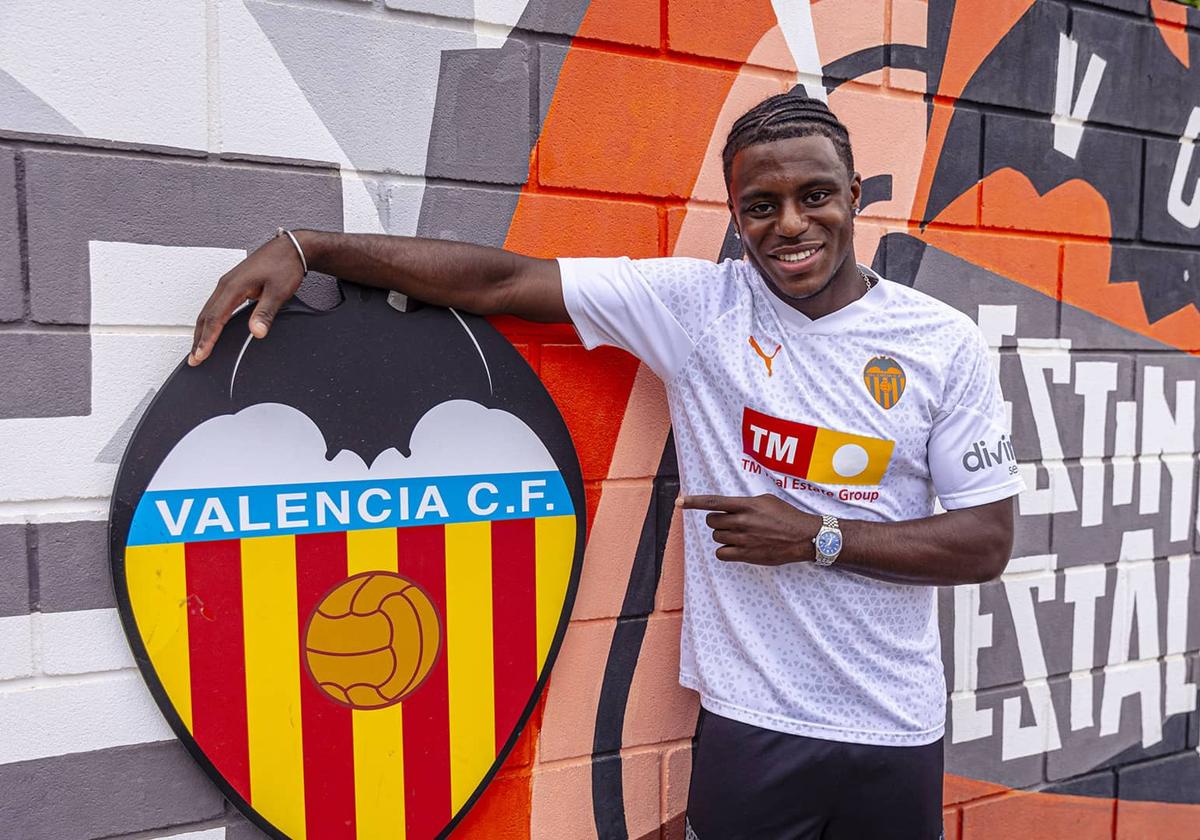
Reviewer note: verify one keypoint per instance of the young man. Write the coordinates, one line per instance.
(818, 410)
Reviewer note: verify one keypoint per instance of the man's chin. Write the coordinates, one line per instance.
(797, 288)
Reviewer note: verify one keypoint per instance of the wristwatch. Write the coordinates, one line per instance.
(828, 541)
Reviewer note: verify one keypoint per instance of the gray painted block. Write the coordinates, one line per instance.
(12, 294)
(99, 794)
(945, 607)
(966, 287)
(1102, 784)
(1144, 86)
(1109, 160)
(1032, 534)
(45, 374)
(240, 828)
(1177, 368)
(1085, 750)
(370, 78)
(980, 759)
(467, 214)
(1135, 6)
(72, 563)
(1172, 779)
(481, 128)
(1000, 663)
(14, 571)
(1154, 270)
(1004, 78)
(1077, 544)
(1157, 224)
(1067, 404)
(1166, 278)
(958, 167)
(75, 197)
(550, 62)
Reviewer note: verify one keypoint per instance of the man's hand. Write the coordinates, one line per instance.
(474, 278)
(764, 530)
(270, 275)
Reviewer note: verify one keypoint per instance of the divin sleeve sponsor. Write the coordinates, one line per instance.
(971, 456)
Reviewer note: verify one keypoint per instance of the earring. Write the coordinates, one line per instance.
(857, 209)
(736, 235)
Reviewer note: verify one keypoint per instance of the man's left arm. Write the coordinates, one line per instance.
(967, 545)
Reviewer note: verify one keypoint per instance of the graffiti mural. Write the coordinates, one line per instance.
(1031, 162)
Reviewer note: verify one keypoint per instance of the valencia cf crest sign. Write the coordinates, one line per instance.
(345, 557)
(884, 379)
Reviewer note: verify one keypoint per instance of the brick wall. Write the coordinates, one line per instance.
(1028, 162)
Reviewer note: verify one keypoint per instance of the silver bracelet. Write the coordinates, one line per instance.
(285, 232)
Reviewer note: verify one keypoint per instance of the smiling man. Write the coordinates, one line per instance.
(818, 412)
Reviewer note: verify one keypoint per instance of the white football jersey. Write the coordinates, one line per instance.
(866, 413)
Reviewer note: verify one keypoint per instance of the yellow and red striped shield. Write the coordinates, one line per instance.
(352, 652)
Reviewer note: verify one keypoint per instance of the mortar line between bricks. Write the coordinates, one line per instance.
(23, 233)
(74, 509)
(156, 833)
(625, 752)
(1027, 113)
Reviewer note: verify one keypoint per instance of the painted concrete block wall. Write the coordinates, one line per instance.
(1029, 161)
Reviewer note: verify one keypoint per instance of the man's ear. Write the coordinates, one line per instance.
(733, 219)
(855, 189)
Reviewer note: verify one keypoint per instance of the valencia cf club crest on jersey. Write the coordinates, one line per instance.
(884, 379)
(345, 557)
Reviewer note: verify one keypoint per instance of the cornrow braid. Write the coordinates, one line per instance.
(782, 117)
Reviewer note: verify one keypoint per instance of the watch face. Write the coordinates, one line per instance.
(829, 543)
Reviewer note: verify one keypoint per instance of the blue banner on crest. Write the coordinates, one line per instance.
(228, 513)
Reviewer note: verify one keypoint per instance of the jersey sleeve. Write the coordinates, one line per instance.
(654, 308)
(971, 455)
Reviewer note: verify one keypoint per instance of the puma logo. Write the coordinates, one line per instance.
(767, 360)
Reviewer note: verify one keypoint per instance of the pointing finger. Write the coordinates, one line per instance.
(729, 504)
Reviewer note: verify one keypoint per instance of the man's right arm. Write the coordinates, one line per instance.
(474, 278)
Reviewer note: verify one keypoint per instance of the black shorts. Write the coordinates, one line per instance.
(755, 783)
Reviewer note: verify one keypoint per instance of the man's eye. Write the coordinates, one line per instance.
(818, 196)
(759, 209)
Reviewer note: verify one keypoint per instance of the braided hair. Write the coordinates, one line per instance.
(782, 117)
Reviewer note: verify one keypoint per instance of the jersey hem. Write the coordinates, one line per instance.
(787, 726)
(982, 496)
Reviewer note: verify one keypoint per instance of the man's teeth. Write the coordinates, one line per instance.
(802, 255)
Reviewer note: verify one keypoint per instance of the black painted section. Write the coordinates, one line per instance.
(607, 784)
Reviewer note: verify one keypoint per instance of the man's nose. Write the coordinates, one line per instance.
(792, 222)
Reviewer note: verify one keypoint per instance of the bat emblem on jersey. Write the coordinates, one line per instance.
(884, 379)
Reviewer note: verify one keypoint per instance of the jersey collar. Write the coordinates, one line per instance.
(834, 322)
